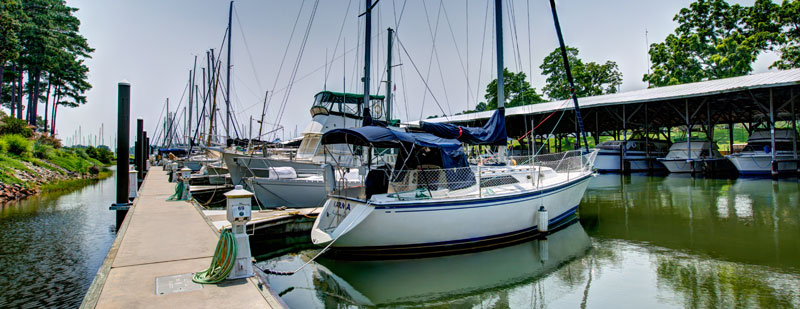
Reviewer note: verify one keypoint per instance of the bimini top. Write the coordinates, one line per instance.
(492, 133)
(385, 138)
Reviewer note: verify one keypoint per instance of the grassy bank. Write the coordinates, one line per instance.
(71, 184)
(38, 161)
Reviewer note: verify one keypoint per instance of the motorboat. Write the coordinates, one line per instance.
(756, 158)
(331, 110)
(639, 155)
(694, 156)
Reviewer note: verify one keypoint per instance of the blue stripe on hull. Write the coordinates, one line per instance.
(452, 246)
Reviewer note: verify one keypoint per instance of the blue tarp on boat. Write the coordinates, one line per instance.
(492, 133)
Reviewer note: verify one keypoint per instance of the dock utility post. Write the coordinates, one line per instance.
(123, 131)
(133, 187)
(239, 207)
(139, 151)
(186, 174)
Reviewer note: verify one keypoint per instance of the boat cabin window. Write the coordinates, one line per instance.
(761, 146)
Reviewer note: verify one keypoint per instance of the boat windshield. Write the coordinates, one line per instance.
(339, 103)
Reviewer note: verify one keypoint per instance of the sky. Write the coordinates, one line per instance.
(442, 59)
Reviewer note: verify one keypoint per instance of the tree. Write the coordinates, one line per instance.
(51, 44)
(713, 40)
(517, 91)
(590, 78)
(9, 35)
(788, 41)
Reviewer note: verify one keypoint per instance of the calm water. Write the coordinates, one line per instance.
(51, 246)
(641, 242)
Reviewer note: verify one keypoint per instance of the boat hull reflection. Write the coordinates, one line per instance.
(394, 282)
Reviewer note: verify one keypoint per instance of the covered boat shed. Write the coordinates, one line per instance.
(752, 100)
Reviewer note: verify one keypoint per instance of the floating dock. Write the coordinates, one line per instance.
(158, 247)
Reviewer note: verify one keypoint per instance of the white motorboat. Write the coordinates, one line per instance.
(756, 158)
(434, 201)
(639, 154)
(694, 156)
(331, 110)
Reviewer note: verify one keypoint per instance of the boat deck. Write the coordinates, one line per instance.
(160, 239)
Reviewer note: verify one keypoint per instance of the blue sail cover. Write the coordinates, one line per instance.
(454, 160)
(492, 133)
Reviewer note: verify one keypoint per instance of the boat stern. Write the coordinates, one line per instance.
(337, 218)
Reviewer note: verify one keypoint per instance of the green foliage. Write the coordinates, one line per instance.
(100, 154)
(788, 41)
(10, 10)
(42, 151)
(590, 78)
(16, 144)
(3, 146)
(717, 40)
(11, 125)
(516, 89)
(47, 139)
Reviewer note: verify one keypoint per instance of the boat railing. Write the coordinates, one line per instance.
(488, 180)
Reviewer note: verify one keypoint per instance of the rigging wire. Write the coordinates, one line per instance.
(247, 48)
(483, 44)
(297, 63)
(399, 56)
(433, 33)
(341, 29)
(400, 42)
(285, 52)
(458, 51)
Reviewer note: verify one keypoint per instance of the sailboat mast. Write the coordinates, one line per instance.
(389, 77)
(501, 100)
(228, 77)
(498, 18)
(578, 117)
(367, 51)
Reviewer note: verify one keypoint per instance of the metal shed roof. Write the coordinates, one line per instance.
(698, 89)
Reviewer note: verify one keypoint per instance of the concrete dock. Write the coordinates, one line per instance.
(160, 239)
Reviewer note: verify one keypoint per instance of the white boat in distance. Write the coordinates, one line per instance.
(330, 110)
(694, 156)
(640, 154)
(756, 157)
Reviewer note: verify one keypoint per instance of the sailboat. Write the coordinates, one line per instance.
(431, 201)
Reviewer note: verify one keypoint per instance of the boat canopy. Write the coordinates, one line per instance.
(492, 133)
(451, 154)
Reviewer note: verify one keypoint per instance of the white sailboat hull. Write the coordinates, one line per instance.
(410, 226)
(609, 161)
(295, 193)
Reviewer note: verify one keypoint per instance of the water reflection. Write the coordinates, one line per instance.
(500, 277)
(52, 245)
(753, 221)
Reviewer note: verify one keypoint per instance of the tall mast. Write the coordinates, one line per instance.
(498, 18)
(193, 99)
(578, 117)
(389, 77)
(501, 100)
(367, 50)
(263, 113)
(228, 77)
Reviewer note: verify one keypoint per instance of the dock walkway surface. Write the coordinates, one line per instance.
(164, 238)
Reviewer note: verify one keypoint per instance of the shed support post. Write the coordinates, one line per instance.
(688, 133)
(772, 135)
(625, 141)
(794, 130)
(730, 128)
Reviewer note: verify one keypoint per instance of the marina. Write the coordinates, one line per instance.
(393, 171)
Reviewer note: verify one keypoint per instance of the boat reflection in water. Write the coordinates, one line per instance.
(430, 281)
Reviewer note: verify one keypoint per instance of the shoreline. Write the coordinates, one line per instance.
(35, 176)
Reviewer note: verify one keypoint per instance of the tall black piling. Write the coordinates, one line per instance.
(139, 151)
(123, 131)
